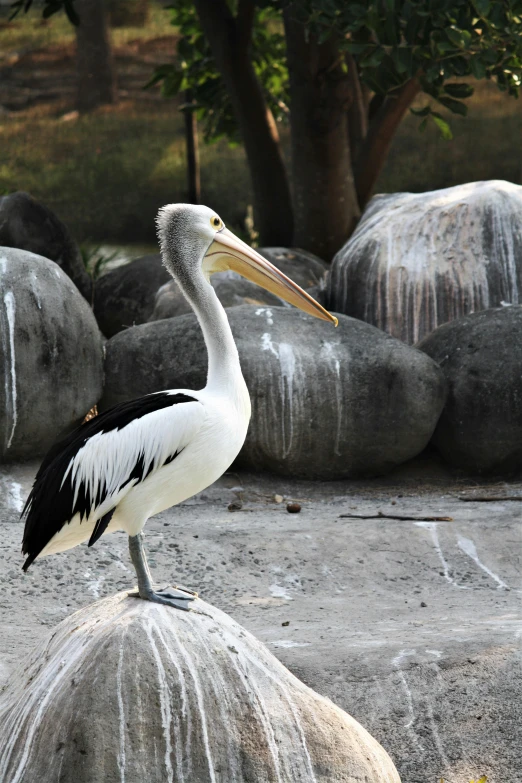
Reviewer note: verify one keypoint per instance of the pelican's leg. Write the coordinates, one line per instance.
(171, 596)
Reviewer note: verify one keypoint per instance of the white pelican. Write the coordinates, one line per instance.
(141, 457)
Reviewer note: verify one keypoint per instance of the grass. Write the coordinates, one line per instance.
(30, 31)
(105, 174)
(485, 146)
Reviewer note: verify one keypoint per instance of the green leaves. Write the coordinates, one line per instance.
(194, 69)
(427, 113)
(460, 39)
(442, 125)
(50, 7)
(441, 43)
(436, 41)
(454, 106)
(458, 90)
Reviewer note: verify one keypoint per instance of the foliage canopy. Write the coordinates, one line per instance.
(391, 41)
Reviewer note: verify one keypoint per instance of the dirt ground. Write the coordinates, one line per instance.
(413, 626)
(46, 76)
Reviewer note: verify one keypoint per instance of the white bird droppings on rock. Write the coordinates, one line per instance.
(418, 260)
(179, 697)
(10, 373)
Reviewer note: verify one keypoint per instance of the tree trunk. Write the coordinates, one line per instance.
(229, 39)
(96, 78)
(383, 125)
(358, 111)
(191, 141)
(325, 201)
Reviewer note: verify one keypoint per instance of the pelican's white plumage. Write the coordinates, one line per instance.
(141, 457)
(206, 435)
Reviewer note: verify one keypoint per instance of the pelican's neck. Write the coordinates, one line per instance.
(224, 369)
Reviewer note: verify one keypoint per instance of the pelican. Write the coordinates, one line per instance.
(144, 456)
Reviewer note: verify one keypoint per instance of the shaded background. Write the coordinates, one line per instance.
(106, 173)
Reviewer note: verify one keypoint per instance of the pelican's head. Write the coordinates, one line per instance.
(194, 240)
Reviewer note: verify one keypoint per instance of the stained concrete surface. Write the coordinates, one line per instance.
(413, 627)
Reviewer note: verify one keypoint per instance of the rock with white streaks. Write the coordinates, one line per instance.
(326, 403)
(124, 690)
(419, 260)
(232, 290)
(51, 354)
(480, 429)
(302, 267)
(29, 225)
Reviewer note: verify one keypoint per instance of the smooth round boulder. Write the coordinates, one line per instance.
(326, 403)
(51, 354)
(126, 690)
(302, 267)
(125, 295)
(418, 260)
(28, 225)
(232, 290)
(480, 429)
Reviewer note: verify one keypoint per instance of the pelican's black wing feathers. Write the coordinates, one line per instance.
(52, 503)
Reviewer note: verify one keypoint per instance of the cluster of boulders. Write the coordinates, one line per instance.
(326, 403)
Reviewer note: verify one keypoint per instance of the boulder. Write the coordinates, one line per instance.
(326, 402)
(232, 290)
(418, 260)
(302, 267)
(318, 292)
(51, 354)
(130, 691)
(480, 428)
(125, 296)
(29, 225)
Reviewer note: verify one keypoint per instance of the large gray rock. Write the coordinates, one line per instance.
(125, 296)
(129, 691)
(418, 260)
(302, 267)
(480, 428)
(29, 225)
(232, 290)
(51, 354)
(326, 402)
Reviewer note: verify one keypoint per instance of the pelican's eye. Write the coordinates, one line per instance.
(216, 222)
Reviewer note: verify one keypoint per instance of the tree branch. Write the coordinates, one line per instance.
(357, 112)
(258, 128)
(374, 105)
(246, 10)
(218, 24)
(380, 134)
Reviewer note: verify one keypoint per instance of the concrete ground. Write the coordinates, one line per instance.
(413, 626)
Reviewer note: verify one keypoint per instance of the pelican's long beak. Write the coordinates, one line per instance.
(229, 252)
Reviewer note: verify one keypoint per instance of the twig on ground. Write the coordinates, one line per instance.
(401, 518)
(488, 499)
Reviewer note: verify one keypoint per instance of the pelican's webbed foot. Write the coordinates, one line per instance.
(170, 596)
(178, 597)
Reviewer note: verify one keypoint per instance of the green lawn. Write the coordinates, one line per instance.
(107, 173)
(486, 145)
